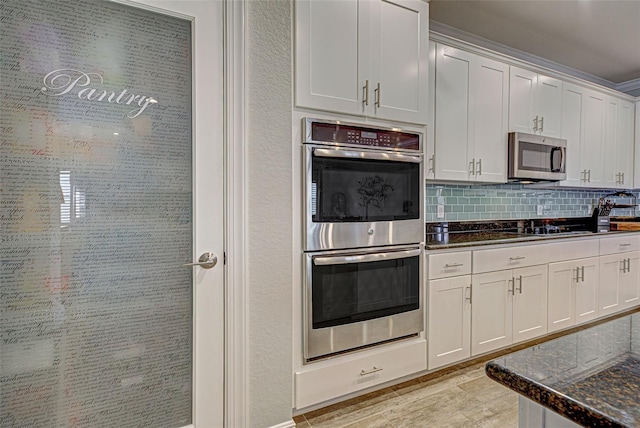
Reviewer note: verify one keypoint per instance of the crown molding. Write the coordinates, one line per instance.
(631, 87)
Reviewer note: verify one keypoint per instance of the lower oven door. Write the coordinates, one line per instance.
(358, 298)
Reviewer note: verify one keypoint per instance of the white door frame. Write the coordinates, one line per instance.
(235, 368)
(236, 411)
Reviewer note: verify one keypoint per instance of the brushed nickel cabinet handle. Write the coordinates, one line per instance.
(513, 259)
(373, 370)
(582, 274)
(541, 123)
(377, 95)
(479, 167)
(535, 124)
(511, 286)
(473, 166)
(365, 93)
(520, 282)
(470, 293)
(453, 265)
(432, 162)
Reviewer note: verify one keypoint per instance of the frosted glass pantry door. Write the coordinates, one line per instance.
(110, 182)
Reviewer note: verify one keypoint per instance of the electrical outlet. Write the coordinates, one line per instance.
(440, 213)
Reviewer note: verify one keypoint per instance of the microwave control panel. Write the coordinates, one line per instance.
(340, 133)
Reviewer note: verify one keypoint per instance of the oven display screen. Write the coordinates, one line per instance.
(371, 135)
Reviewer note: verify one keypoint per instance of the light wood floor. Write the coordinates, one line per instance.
(465, 397)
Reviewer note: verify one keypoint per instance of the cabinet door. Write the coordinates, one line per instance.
(430, 153)
(573, 115)
(562, 280)
(630, 281)
(522, 88)
(591, 155)
(490, 89)
(399, 59)
(611, 174)
(586, 290)
(625, 144)
(449, 320)
(453, 115)
(636, 170)
(529, 303)
(609, 284)
(549, 106)
(331, 62)
(491, 311)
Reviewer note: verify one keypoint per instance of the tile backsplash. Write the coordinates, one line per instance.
(514, 201)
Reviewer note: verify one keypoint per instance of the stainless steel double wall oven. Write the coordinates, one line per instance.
(363, 235)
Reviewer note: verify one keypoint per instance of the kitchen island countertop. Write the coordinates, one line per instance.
(591, 377)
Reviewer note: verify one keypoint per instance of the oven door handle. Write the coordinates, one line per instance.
(365, 258)
(354, 154)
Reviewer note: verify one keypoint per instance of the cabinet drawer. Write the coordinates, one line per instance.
(619, 244)
(449, 264)
(509, 257)
(324, 381)
(572, 250)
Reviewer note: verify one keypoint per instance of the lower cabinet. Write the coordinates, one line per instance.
(572, 293)
(326, 380)
(619, 285)
(507, 307)
(449, 320)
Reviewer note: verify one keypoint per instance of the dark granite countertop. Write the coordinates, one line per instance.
(467, 234)
(591, 377)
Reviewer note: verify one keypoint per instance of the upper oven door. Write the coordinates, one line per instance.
(356, 198)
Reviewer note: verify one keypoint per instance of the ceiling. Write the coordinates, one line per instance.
(597, 40)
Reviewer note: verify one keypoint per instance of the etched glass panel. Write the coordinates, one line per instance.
(96, 216)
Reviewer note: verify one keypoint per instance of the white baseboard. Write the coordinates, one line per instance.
(287, 424)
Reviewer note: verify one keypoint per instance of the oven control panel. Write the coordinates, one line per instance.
(336, 132)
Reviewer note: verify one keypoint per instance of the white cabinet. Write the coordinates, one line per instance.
(508, 307)
(619, 287)
(363, 57)
(326, 380)
(471, 116)
(535, 103)
(636, 170)
(618, 144)
(449, 320)
(583, 126)
(573, 293)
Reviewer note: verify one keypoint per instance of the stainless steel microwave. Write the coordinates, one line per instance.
(536, 158)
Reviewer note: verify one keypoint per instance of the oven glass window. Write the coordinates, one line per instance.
(536, 157)
(362, 190)
(348, 293)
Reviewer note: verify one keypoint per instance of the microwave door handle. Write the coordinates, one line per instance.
(553, 150)
(354, 154)
(364, 258)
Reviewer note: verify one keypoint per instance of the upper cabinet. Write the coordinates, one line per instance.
(363, 57)
(599, 133)
(471, 116)
(535, 103)
(637, 149)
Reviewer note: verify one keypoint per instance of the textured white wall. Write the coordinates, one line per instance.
(270, 171)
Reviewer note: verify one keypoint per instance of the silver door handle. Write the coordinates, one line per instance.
(535, 124)
(432, 162)
(470, 293)
(541, 123)
(365, 258)
(473, 166)
(577, 278)
(355, 154)
(453, 265)
(622, 178)
(624, 265)
(365, 93)
(512, 259)
(376, 92)
(479, 163)
(206, 261)
(373, 370)
(589, 179)
(582, 273)
(511, 286)
(520, 282)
